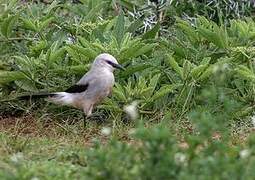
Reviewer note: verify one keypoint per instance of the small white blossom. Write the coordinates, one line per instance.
(131, 110)
(70, 39)
(215, 68)
(180, 158)
(225, 66)
(16, 157)
(245, 153)
(106, 131)
(222, 67)
(35, 178)
(253, 120)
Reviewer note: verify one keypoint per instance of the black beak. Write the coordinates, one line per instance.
(118, 66)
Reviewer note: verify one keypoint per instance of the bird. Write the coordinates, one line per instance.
(90, 90)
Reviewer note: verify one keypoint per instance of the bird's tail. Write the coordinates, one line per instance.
(29, 96)
(57, 98)
(63, 98)
(36, 96)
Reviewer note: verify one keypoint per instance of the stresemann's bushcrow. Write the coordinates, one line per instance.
(90, 90)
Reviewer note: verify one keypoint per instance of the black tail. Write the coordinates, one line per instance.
(35, 96)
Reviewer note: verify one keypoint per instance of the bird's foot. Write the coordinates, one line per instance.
(98, 117)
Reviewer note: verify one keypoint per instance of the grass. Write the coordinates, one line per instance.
(38, 149)
(40, 157)
(34, 149)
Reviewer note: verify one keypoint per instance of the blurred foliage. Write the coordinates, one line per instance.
(155, 153)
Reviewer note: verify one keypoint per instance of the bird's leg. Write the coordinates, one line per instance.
(87, 114)
(98, 117)
(85, 117)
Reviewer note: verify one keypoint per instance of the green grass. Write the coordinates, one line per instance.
(46, 150)
(50, 151)
(41, 157)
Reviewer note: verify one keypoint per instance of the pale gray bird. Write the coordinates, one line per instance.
(91, 89)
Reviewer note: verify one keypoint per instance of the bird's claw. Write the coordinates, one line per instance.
(99, 118)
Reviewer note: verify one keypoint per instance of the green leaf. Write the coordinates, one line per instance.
(73, 54)
(7, 25)
(171, 61)
(57, 55)
(87, 52)
(134, 26)
(4, 66)
(207, 73)
(212, 32)
(179, 50)
(136, 50)
(186, 69)
(28, 24)
(94, 48)
(164, 90)
(127, 39)
(243, 112)
(118, 92)
(78, 70)
(127, 4)
(245, 72)
(153, 83)
(45, 23)
(99, 47)
(197, 71)
(9, 76)
(119, 28)
(130, 47)
(152, 32)
(146, 92)
(26, 85)
(94, 11)
(143, 50)
(188, 30)
(38, 46)
(133, 69)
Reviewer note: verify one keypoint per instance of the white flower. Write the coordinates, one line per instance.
(70, 39)
(245, 153)
(253, 120)
(222, 67)
(131, 110)
(16, 157)
(215, 68)
(180, 158)
(35, 178)
(106, 131)
(225, 66)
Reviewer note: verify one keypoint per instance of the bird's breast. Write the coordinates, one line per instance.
(100, 87)
(107, 84)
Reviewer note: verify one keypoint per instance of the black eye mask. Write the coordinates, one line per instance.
(118, 66)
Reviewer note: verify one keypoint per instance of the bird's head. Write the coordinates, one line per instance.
(106, 61)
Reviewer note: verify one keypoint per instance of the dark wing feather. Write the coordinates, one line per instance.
(77, 88)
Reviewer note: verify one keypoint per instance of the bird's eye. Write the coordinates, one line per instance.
(109, 62)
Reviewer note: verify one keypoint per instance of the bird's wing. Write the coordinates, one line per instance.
(77, 88)
(87, 78)
(83, 84)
